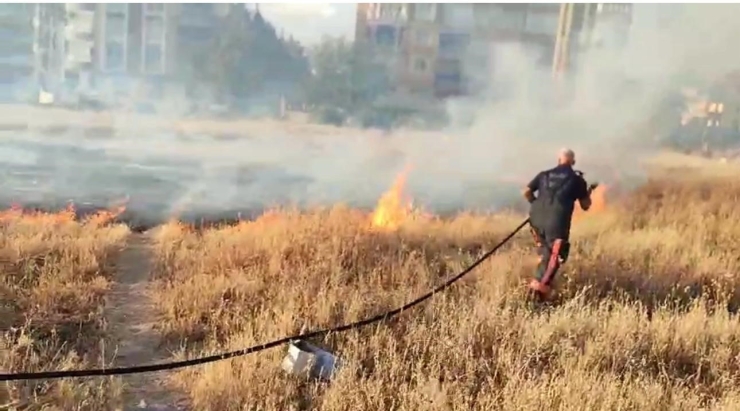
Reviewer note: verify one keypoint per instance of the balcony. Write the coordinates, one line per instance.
(79, 52)
(79, 27)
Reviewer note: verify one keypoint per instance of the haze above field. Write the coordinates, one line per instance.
(494, 143)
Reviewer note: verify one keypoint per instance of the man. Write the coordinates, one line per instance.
(550, 215)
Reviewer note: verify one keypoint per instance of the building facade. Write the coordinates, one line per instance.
(440, 49)
(31, 55)
(113, 50)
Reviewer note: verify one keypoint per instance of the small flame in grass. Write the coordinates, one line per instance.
(598, 202)
(104, 217)
(393, 208)
(16, 214)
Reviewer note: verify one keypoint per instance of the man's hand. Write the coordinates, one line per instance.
(528, 195)
(592, 187)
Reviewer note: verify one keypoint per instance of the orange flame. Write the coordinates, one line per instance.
(16, 214)
(104, 217)
(392, 208)
(598, 202)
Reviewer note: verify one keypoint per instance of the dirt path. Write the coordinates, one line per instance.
(130, 315)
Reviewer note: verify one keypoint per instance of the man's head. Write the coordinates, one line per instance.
(566, 157)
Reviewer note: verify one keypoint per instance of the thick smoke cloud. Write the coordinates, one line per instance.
(496, 141)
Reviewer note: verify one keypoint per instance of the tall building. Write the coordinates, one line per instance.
(16, 50)
(135, 50)
(116, 50)
(132, 49)
(79, 44)
(428, 46)
(31, 56)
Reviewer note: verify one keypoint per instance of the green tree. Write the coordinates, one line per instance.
(247, 58)
(346, 79)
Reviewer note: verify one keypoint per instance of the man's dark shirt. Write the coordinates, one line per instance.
(557, 191)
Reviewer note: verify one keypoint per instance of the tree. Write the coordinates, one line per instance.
(247, 59)
(346, 78)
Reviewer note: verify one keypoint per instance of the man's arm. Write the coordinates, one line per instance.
(531, 188)
(584, 194)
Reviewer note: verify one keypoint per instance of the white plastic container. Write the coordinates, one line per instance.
(308, 361)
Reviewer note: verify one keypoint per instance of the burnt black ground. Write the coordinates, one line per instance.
(47, 171)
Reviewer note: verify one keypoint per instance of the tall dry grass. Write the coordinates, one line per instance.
(53, 279)
(641, 321)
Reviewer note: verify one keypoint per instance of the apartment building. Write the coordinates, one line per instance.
(31, 57)
(134, 50)
(134, 39)
(79, 45)
(428, 46)
(16, 49)
(108, 48)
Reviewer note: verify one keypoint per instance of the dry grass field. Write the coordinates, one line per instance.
(55, 273)
(642, 319)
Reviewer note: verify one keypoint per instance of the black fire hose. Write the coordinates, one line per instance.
(101, 372)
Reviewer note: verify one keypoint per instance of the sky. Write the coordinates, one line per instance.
(309, 22)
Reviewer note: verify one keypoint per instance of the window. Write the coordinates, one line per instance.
(88, 6)
(458, 15)
(118, 8)
(448, 83)
(425, 12)
(115, 27)
(385, 35)
(420, 64)
(114, 56)
(197, 7)
(452, 44)
(448, 66)
(423, 38)
(154, 7)
(154, 29)
(153, 58)
(496, 16)
(542, 23)
(392, 11)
